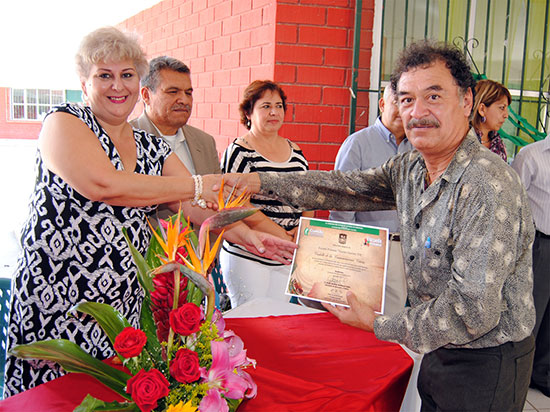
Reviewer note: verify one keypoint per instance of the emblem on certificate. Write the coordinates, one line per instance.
(335, 257)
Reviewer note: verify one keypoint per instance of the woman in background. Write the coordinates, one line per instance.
(490, 112)
(95, 176)
(261, 149)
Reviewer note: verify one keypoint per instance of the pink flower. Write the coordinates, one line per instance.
(222, 375)
(213, 402)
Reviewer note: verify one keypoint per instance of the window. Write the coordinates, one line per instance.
(32, 104)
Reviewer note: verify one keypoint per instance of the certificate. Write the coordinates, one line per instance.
(335, 257)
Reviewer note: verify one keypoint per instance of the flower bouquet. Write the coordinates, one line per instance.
(181, 359)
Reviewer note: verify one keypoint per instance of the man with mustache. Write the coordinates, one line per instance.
(370, 147)
(167, 93)
(466, 231)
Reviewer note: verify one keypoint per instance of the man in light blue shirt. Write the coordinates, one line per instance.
(370, 147)
(533, 166)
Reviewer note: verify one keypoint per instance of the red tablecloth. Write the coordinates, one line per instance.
(305, 363)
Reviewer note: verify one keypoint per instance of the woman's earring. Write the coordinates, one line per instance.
(483, 119)
(248, 123)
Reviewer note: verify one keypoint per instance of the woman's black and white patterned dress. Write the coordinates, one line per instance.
(74, 251)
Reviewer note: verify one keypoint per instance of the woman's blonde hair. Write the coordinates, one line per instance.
(487, 92)
(109, 44)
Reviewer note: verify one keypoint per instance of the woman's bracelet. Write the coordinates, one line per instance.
(198, 200)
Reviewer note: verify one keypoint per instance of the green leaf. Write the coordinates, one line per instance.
(90, 404)
(148, 326)
(221, 219)
(74, 359)
(110, 320)
(142, 266)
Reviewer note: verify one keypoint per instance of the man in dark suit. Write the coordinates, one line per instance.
(168, 97)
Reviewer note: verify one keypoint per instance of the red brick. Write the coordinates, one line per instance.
(323, 36)
(269, 14)
(229, 94)
(212, 3)
(367, 19)
(320, 75)
(204, 80)
(240, 6)
(334, 133)
(212, 62)
(300, 132)
(268, 54)
(251, 19)
(332, 3)
(228, 128)
(156, 9)
(213, 30)
(221, 78)
(190, 52)
(198, 34)
(212, 126)
(287, 13)
(179, 26)
(172, 43)
(230, 60)
(185, 9)
(234, 109)
(240, 76)
(265, 71)
(336, 96)
(192, 22)
(204, 48)
(184, 39)
(204, 110)
(303, 94)
(286, 53)
(222, 44)
(220, 110)
(319, 152)
(222, 10)
(286, 33)
(199, 5)
(262, 35)
(363, 76)
(231, 25)
(251, 56)
(198, 95)
(338, 57)
(166, 5)
(284, 73)
(340, 17)
(212, 95)
(240, 40)
(318, 114)
(289, 115)
(196, 65)
(260, 3)
(206, 17)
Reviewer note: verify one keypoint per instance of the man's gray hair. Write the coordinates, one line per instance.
(157, 64)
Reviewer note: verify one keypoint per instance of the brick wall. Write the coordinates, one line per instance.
(10, 129)
(226, 44)
(306, 45)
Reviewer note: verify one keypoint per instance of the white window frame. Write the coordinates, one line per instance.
(39, 106)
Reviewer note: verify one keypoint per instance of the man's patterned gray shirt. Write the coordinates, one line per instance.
(466, 242)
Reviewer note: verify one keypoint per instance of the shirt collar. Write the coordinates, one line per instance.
(388, 136)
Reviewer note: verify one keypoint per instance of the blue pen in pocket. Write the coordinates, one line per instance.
(427, 245)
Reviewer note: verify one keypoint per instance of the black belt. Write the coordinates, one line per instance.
(394, 237)
(542, 235)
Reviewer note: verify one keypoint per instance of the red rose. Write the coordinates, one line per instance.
(186, 320)
(185, 366)
(146, 388)
(130, 342)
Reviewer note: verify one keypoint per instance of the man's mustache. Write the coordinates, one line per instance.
(422, 122)
(181, 106)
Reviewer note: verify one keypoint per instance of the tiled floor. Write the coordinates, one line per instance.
(536, 401)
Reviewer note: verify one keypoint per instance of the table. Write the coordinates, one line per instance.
(306, 362)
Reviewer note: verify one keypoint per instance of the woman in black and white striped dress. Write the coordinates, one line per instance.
(262, 109)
